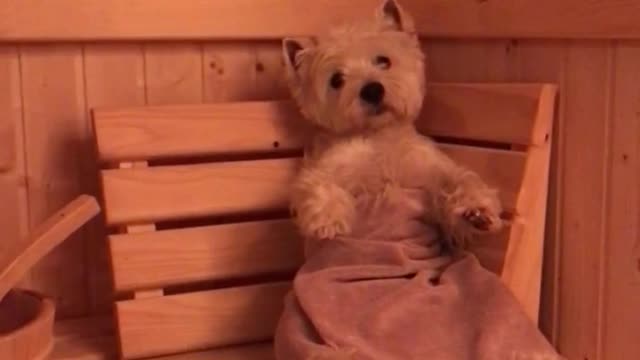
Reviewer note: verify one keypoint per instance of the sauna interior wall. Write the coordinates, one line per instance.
(592, 266)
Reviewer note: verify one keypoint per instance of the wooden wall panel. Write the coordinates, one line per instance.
(229, 71)
(270, 78)
(470, 61)
(587, 95)
(173, 73)
(10, 72)
(544, 61)
(243, 71)
(13, 204)
(114, 76)
(56, 133)
(269, 19)
(621, 291)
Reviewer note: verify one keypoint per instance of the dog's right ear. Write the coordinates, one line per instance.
(293, 51)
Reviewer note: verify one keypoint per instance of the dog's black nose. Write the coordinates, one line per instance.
(372, 93)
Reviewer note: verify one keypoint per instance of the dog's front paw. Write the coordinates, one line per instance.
(326, 226)
(478, 218)
(481, 212)
(326, 217)
(483, 220)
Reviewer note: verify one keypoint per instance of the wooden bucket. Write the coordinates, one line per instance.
(26, 326)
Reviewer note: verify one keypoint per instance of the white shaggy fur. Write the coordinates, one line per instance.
(364, 149)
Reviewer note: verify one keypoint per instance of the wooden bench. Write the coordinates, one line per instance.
(196, 196)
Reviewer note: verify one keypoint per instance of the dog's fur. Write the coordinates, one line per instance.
(363, 149)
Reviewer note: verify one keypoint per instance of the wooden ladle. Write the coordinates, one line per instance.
(26, 317)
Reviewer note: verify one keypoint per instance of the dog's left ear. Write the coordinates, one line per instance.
(394, 17)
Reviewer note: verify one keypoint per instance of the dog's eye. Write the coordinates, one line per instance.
(337, 80)
(382, 62)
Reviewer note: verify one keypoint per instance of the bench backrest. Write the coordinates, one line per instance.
(196, 196)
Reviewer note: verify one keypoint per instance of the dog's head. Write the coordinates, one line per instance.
(359, 77)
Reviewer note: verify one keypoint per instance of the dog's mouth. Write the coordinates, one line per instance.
(376, 111)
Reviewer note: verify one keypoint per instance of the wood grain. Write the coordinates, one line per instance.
(229, 71)
(178, 192)
(584, 156)
(174, 257)
(13, 200)
(187, 322)
(621, 290)
(10, 105)
(58, 152)
(93, 339)
(177, 131)
(449, 60)
(138, 229)
(114, 76)
(173, 73)
(242, 19)
(506, 112)
(270, 72)
(545, 61)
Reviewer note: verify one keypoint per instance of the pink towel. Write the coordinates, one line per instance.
(389, 292)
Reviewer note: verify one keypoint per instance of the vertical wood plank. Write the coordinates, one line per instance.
(470, 60)
(270, 78)
(544, 61)
(229, 71)
(173, 73)
(583, 185)
(9, 107)
(13, 200)
(622, 287)
(114, 77)
(56, 143)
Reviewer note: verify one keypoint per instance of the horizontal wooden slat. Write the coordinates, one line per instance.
(141, 195)
(499, 112)
(501, 169)
(173, 131)
(94, 339)
(28, 20)
(175, 192)
(496, 113)
(188, 322)
(173, 257)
